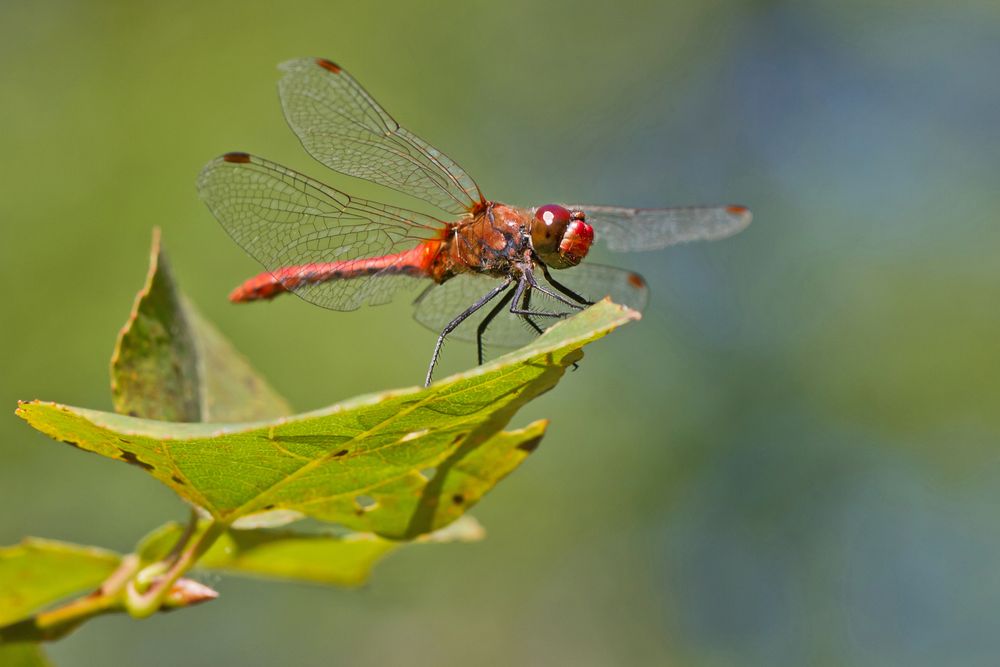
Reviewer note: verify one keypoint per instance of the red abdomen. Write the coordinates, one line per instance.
(417, 261)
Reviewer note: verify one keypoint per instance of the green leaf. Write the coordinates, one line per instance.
(231, 389)
(171, 364)
(37, 572)
(341, 559)
(362, 463)
(23, 654)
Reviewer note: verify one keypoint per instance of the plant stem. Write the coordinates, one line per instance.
(143, 604)
(119, 592)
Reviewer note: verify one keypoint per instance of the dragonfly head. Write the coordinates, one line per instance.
(560, 237)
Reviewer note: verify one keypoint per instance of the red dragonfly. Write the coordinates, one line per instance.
(341, 252)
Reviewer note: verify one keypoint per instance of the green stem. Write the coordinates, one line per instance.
(141, 604)
(120, 591)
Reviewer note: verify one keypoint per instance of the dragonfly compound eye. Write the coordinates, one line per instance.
(560, 237)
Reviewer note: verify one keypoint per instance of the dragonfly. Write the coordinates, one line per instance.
(488, 265)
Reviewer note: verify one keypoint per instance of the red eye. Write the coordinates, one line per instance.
(552, 214)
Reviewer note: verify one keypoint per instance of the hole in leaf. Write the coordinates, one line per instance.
(415, 434)
(428, 473)
(365, 503)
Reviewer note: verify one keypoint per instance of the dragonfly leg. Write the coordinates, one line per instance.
(527, 318)
(489, 296)
(534, 283)
(533, 324)
(565, 290)
(557, 297)
(515, 307)
(501, 304)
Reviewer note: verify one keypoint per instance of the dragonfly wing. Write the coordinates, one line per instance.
(631, 229)
(285, 219)
(440, 304)
(340, 125)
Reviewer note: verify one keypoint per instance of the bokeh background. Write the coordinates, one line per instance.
(792, 459)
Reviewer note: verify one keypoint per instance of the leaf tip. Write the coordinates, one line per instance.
(626, 311)
(23, 407)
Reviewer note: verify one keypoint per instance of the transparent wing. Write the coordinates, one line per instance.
(285, 219)
(437, 306)
(631, 229)
(340, 125)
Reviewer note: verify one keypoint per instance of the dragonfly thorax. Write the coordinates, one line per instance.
(560, 237)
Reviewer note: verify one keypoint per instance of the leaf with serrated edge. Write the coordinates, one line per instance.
(171, 364)
(323, 558)
(358, 463)
(38, 572)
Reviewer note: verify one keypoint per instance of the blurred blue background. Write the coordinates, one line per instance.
(792, 459)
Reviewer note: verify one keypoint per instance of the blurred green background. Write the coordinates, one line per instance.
(791, 460)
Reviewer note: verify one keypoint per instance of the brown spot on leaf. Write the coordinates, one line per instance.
(177, 479)
(340, 453)
(72, 443)
(530, 445)
(458, 499)
(132, 459)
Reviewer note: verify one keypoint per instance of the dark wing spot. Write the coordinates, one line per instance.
(177, 479)
(737, 210)
(636, 281)
(340, 453)
(458, 499)
(237, 157)
(328, 65)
